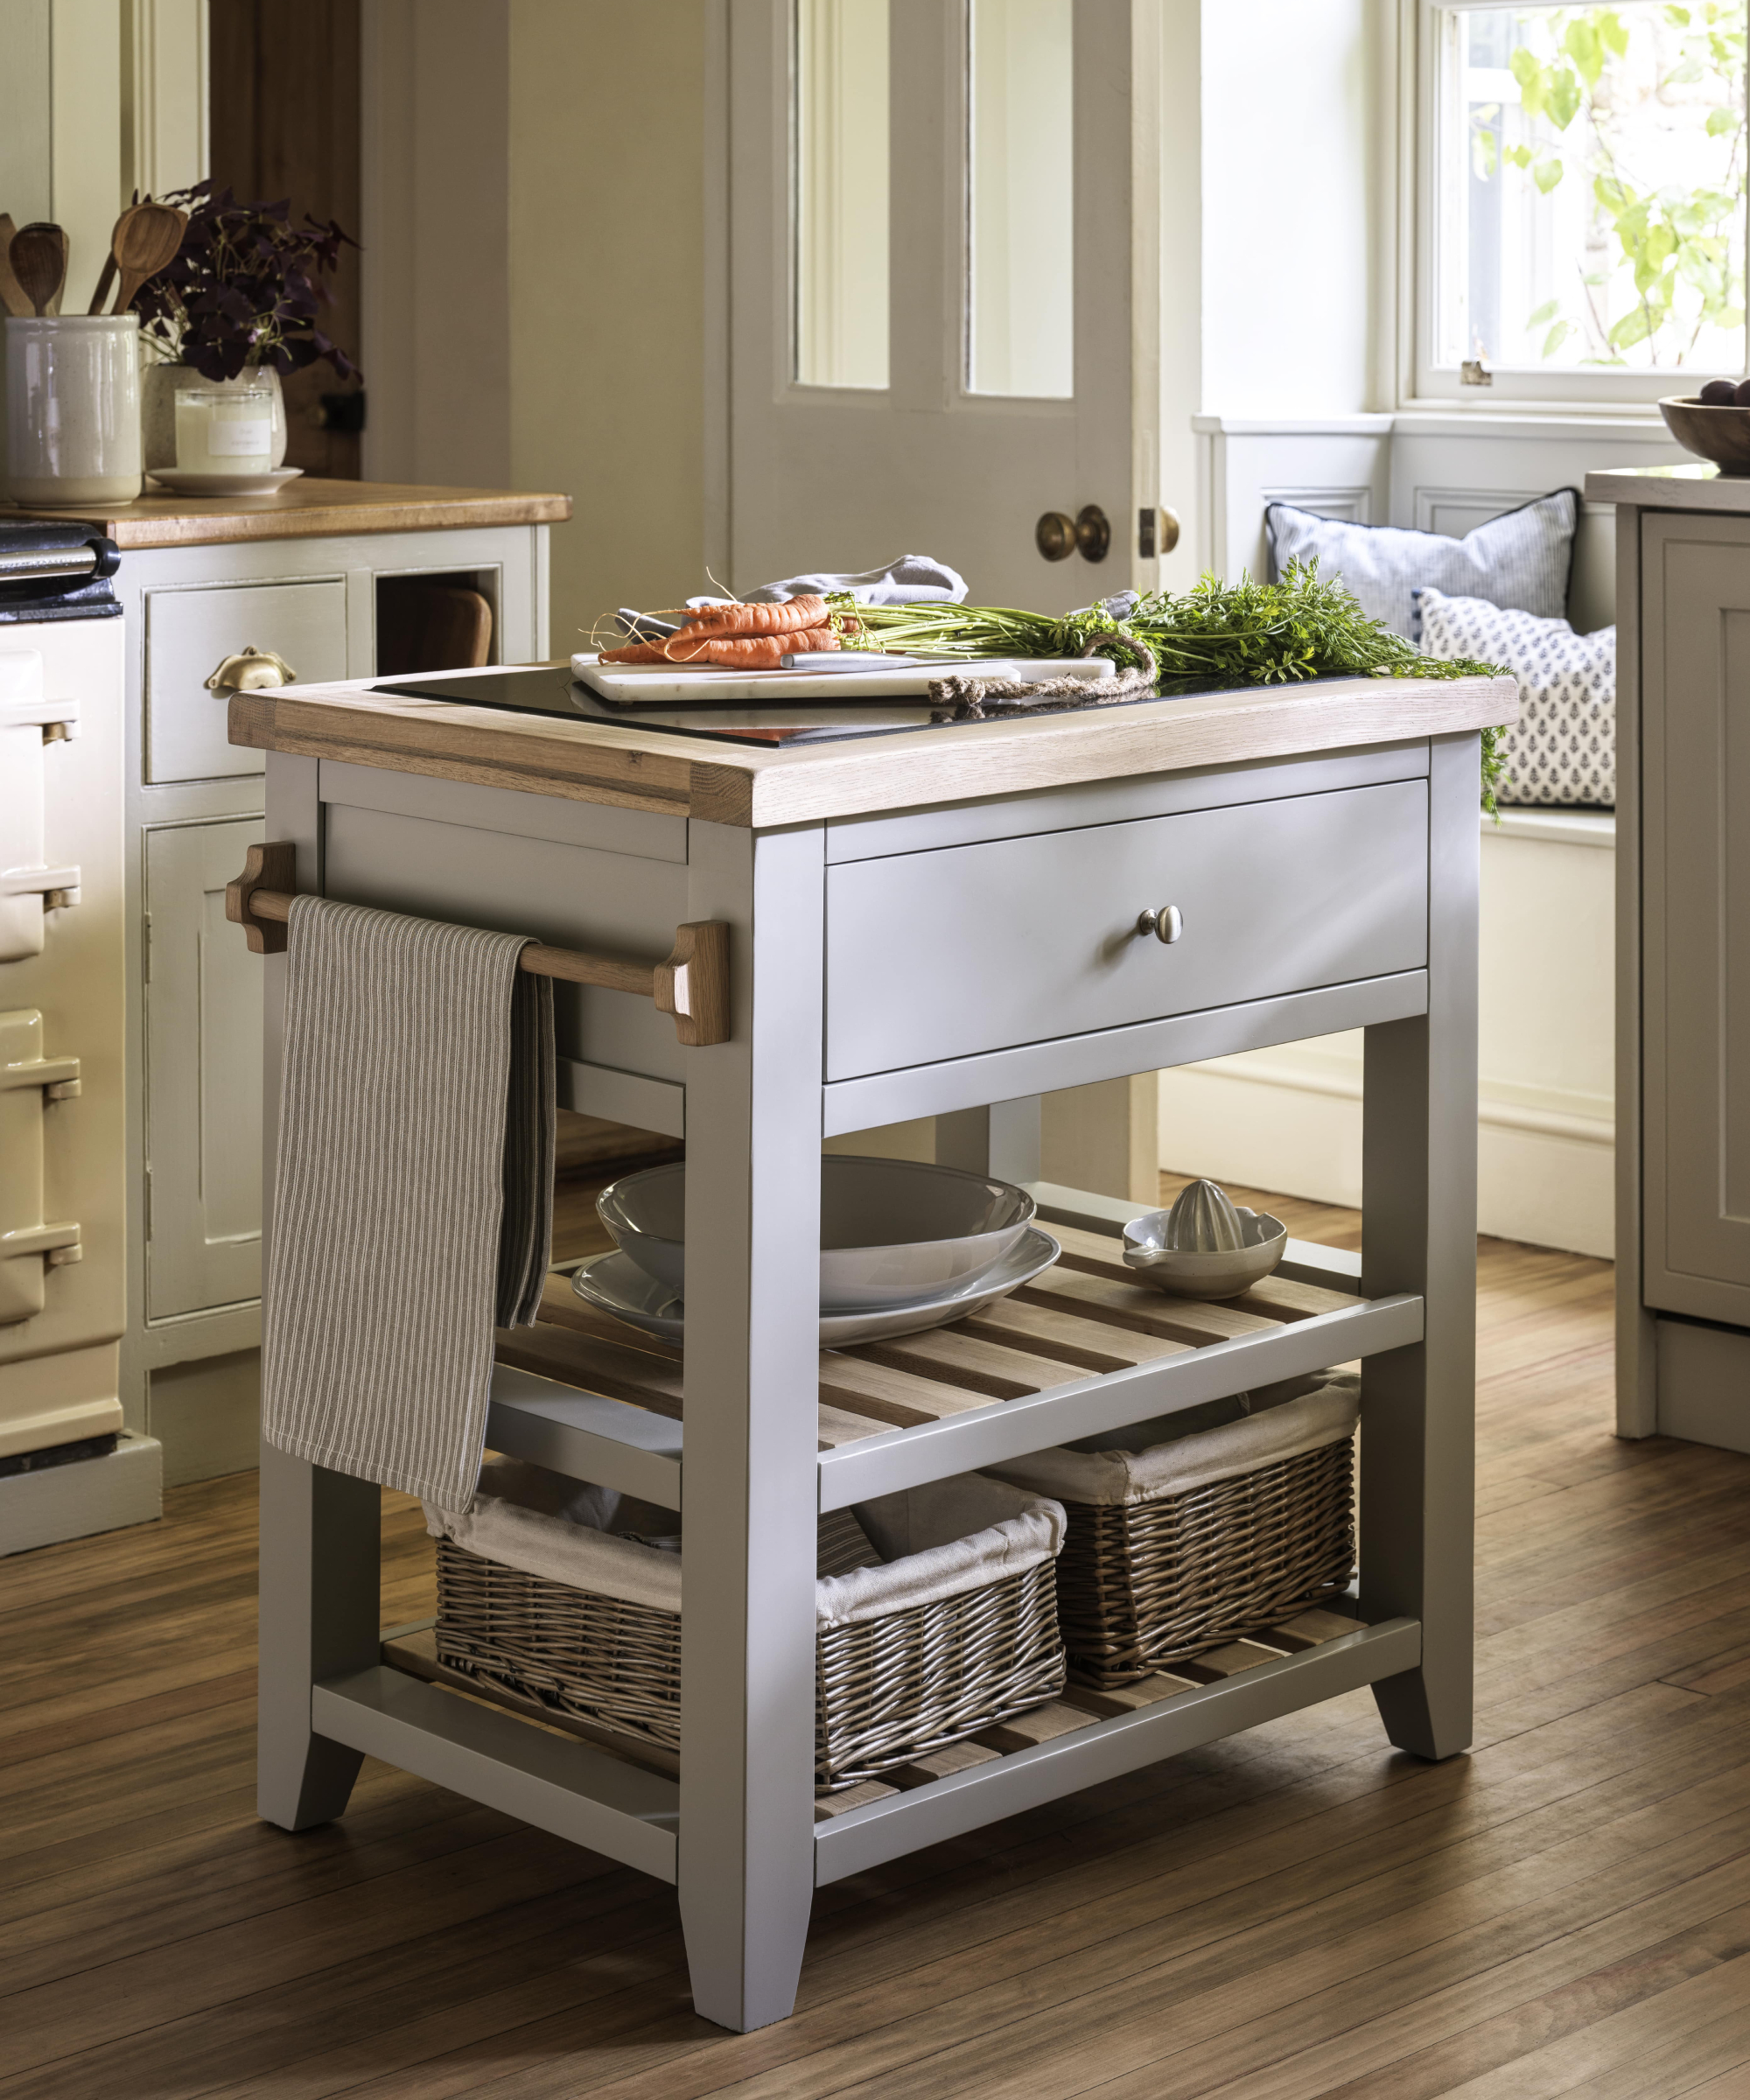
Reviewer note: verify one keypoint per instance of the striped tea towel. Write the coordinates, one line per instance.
(413, 1207)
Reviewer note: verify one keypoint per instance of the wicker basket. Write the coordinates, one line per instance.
(1147, 1579)
(889, 1689)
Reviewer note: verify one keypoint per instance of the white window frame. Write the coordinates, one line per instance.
(1425, 381)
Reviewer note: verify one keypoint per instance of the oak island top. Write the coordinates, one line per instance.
(631, 766)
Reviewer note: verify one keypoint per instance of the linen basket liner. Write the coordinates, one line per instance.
(1110, 1478)
(943, 1540)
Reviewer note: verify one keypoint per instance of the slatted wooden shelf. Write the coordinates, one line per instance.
(1080, 1349)
(1080, 1707)
(1078, 1713)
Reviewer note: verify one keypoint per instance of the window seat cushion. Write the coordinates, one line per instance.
(1562, 748)
(1521, 559)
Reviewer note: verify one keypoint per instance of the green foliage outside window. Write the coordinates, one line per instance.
(1593, 87)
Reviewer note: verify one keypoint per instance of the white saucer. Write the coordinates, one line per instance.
(192, 484)
(613, 1282)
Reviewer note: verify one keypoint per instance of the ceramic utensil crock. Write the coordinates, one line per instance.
(73, 409)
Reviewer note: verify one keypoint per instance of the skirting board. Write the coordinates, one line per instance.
(1547, 1188)
(90, 1495)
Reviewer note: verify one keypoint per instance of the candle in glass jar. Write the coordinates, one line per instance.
(224, 431)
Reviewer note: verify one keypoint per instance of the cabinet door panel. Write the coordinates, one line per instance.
(1696, 682)
(190, 633)
(203, 1076)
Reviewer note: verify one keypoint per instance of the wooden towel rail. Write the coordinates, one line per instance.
(691, 983)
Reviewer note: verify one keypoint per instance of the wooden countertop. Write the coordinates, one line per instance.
(1698, 486)
(593, 761)
(307, 509)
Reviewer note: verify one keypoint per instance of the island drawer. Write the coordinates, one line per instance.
(955, 952)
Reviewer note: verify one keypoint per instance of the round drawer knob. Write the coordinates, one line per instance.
(1164, 921)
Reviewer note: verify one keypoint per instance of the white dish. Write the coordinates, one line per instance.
(1225, 1273)
(661, 684)
(191, 483)
(613, 1283)
(892, 1231)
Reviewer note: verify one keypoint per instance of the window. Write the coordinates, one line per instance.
(839, 218)
(1585, 227)
(1020, 173)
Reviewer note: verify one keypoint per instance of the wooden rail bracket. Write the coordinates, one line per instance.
(272, 866)
(692, 984)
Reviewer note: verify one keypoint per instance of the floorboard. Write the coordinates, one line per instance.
(1298, 1913)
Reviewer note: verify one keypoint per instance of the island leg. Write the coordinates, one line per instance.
(1002, 1139)
(318, 1618)
(1418, 1404)
(752, 1487)
(320, 1537)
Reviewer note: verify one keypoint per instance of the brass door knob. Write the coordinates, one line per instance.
(249, 671)
(1058, 536)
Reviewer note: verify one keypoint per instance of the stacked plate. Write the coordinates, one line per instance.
(904, 1247)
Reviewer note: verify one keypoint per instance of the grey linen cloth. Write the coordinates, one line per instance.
(413, 1205)
(911, 1548)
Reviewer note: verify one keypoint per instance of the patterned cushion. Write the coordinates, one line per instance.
(1564, 746)
(1520, 558)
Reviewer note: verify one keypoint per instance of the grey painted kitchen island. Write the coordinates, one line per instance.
(937, 923)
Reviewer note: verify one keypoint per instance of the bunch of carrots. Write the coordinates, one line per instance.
(742, 638)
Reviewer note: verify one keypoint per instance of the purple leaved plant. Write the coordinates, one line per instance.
(245, 288)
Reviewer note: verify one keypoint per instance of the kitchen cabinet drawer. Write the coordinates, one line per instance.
(189, 633)
(980, 947)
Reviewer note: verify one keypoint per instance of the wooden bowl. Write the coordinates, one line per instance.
(1722, 435)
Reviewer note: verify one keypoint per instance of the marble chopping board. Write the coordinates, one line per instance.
(658, 685)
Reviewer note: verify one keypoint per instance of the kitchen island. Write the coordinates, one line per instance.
(940, 923)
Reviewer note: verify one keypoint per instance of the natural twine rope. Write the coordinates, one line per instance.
(968, 699)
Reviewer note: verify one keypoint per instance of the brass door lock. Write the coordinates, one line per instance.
(1157, 531)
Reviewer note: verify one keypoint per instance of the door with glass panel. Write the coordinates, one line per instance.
(930, 298)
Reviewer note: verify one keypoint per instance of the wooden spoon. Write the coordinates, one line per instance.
(39, 254)
(107, 274)
(146, 240)
(12, 292)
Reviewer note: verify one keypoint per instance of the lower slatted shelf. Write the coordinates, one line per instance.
(1079, 1707)
(413, 1651)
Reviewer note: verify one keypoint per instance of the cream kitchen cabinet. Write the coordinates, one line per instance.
(1683, 968)
(300, 577)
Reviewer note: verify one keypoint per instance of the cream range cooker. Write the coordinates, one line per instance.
(66, 1467)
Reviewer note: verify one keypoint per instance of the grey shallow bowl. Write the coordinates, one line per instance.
(891, 1230)
(1224, 1274)
(1722, 435)
(613, 1283)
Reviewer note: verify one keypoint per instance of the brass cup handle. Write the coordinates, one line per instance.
(1058, 536)
(1164, 921)
(251, 670)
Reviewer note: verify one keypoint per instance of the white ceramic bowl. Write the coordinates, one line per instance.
(891, 1230)
(1224, 1274)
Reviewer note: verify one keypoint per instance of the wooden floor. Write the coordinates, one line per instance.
(1296, 1912)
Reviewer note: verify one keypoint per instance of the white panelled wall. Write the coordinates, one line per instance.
(1290, 1118)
